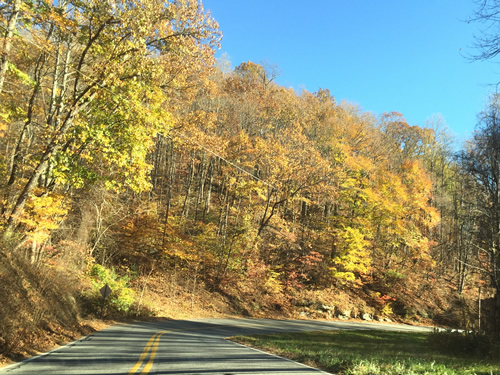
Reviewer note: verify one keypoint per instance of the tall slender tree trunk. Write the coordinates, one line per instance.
(223, 217)
(170, 179)
(16, 155)
(170, 169)
(7, 41)
(209, 190)
(201, 185)
(157, 166)
(185, 207)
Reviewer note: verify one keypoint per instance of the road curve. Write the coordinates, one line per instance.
(188, 347)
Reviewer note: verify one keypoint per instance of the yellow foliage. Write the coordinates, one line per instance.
(3, 128)
(273, 285)
(42, 214)
(353, 259)
(387, 309)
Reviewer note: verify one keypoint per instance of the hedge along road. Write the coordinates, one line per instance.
(181, 347)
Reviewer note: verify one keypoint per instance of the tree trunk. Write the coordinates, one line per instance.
(53, 146)
(16, 155)
(170, 169)
(209, 190)
(496, 313)
(185, 207)
(201, 185)
(7, 43)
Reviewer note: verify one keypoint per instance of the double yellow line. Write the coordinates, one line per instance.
(150, 349)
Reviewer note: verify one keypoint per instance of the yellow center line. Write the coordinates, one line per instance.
(148, 366)
(151, 347)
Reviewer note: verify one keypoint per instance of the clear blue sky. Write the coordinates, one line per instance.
(387, 55)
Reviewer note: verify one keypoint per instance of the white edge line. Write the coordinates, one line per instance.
(277, 356)
(17, 365)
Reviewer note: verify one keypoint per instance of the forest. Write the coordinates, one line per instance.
(130, 156)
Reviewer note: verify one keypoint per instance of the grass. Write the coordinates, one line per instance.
(376, 352)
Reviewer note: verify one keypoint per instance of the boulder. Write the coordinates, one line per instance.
(326, 308)
(344, 315)
(367, 317)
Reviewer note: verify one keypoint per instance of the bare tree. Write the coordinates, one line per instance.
(482, 161)
(487, 43)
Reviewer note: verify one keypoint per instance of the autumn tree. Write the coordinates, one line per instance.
(123, 59)
(10, 13)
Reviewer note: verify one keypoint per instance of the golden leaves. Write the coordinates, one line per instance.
(352, 260)
(43, 214)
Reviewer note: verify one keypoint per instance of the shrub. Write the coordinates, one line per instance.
(121, 298)
(470, 344)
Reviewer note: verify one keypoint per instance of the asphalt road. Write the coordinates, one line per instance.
(189, 347)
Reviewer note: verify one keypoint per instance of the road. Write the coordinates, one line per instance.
(189, 347)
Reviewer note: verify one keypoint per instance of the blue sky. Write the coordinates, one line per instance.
(387, 55)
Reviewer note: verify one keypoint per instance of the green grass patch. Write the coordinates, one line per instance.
(377, 352)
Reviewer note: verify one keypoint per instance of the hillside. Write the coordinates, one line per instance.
(49, 306)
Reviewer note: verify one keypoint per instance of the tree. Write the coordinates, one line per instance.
(12, 15)
(99, 95)
(482, 160)
(487, 42)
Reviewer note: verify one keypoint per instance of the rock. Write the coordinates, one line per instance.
(303, 314)
(344, 315)
(367, 317)
(326, 308)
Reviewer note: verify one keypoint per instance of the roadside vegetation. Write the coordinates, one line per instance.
(389, 353)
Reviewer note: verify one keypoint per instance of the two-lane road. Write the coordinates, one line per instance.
(189, 347)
